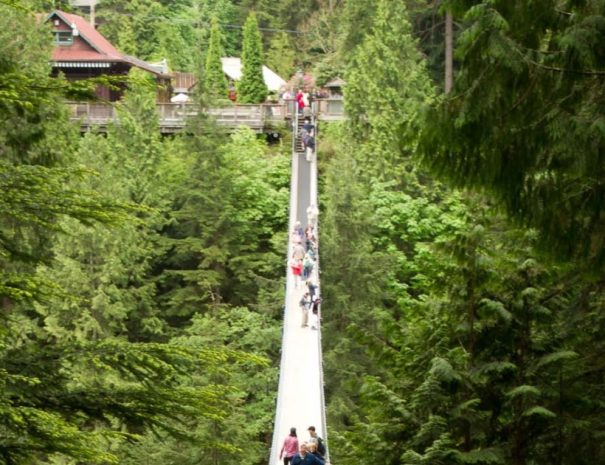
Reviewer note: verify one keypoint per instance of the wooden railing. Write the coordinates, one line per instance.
(173, 116)
(331, 109)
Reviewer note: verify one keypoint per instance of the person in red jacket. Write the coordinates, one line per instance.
(296, 265)
(300, 98)
(290, 447)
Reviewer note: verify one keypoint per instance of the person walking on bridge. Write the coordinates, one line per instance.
(312, 214)
(290, 447)
(305, 305)
(314, 317)
(321, 447)
(312, 448)
(304, 457)
(300, 100)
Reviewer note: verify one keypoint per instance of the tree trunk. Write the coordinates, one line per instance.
(449, 52)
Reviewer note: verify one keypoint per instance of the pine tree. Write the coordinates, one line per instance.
(251, 88)
(214, 80)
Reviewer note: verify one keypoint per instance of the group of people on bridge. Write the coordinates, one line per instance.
(312, 451)
(302, 264)
(307, 138)
(302, 98)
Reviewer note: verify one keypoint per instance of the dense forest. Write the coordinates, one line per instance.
(142, 276)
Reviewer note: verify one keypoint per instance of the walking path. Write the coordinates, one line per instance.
(300, 401)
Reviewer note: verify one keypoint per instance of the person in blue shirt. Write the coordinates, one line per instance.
(304, 457)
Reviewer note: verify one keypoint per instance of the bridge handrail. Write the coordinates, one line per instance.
(100, 112)
(275, 443)
(317, 271)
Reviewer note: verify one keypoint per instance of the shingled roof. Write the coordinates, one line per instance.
(90, 46)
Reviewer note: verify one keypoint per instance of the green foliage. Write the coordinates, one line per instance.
(134, 27)
(251, 88)
(52, 394)
(527, 128)
(36, 169)
(377, 87)
(225, 241)
(109, 272)
(465, 338)
(215, 81)
(228, 14)
(448, 338)
(89, 361)
(358, 21)
(237, 435)
(428, 24)
(280, 55)
(287, 14)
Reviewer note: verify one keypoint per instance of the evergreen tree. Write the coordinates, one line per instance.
(387, 73)
(280, 56)
(133, 27)
(214, 80)
(225, 238)
(73, 295)
(251, 88)
(466, 332)
(239, 435)
(109, 271)
(227, 12)
(527, 127)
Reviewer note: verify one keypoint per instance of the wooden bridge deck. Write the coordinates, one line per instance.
(173, 116)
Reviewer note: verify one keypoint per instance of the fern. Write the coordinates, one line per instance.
(560, 356)
(485, 456)
(523, 391)
(443, 371)
(538, 411)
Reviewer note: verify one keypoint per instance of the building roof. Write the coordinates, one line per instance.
(101, 47)
(232, 67)
(337, 82)
(97, 48)
(152, 68)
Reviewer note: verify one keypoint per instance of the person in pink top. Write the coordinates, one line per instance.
(290, 447)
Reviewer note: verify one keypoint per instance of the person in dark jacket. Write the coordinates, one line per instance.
(309, 127)
(312, 289)
(314, 438)
(304, 457)
(312, 448)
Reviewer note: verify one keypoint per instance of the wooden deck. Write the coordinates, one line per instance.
(173, 116)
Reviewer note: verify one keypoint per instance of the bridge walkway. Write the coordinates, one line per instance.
(300, 401)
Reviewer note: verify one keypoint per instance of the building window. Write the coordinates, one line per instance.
(64, 38)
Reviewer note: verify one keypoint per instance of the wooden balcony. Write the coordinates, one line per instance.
(330, 109)
(173, 116)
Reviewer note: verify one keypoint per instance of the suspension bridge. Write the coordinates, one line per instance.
(300, 399)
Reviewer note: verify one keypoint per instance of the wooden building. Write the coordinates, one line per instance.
(82, 52)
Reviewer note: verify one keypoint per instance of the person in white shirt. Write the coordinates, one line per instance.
(312, 214)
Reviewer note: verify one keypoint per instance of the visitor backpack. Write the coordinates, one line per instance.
(321, 447)
(304, 135)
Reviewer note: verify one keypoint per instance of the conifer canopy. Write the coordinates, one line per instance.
(215, 82)
(252, 88)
